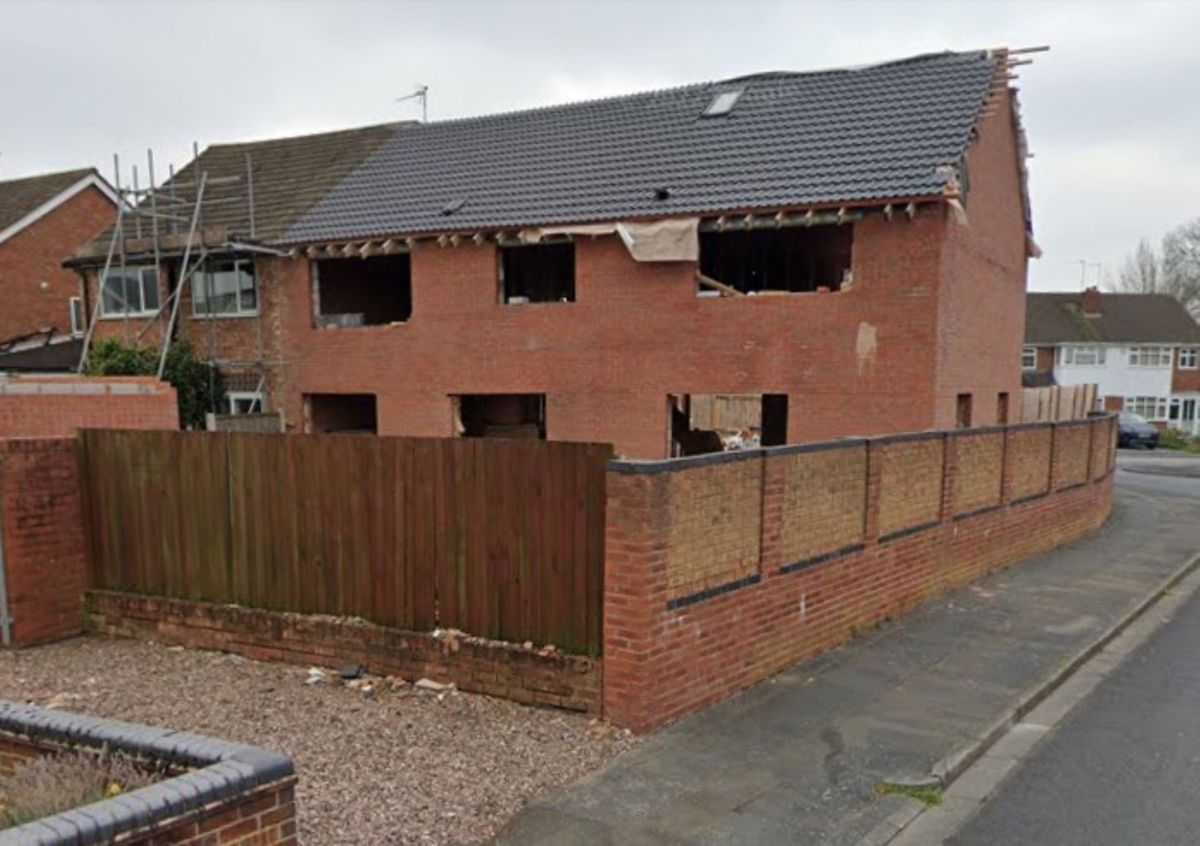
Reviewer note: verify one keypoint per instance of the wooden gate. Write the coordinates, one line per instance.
(498, 538)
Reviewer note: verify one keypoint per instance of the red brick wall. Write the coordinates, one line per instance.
(855, 361)
(473, 664)
(41, 533)
(1183, 381)
(54, 407)
(35, 254)
(264, 816)
(666, 654)
(981, 302)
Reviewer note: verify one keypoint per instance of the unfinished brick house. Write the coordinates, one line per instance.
(847, 247)
(42, 219)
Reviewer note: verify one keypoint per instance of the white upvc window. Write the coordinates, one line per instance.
(1029, 358)
(1087, 356)
(129, 292)
(245, 402)
(1152, 408)
(1188, 357)
(78, 318)
(1150, 356)
(225, 288)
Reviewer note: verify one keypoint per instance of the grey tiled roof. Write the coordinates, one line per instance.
(793, 139)
(1124, 318)
(18, 197)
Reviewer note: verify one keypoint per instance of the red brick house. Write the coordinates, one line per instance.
(42, 219)
(848, 245)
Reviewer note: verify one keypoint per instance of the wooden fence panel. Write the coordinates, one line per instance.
(502, 539)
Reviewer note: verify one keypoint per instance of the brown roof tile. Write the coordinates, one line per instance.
(1124, 318)
(19, 197)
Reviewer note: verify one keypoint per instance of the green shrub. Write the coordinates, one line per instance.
(1175, 439)
(197, 382)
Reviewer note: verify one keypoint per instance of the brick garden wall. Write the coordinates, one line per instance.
(42, 539)
(474, 665)
(56, 406)
(835, 538)
(260, 816)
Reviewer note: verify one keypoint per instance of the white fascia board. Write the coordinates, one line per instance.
(91, 181)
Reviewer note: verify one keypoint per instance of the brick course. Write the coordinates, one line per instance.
(55, 407)
(42, 536)
(663, 658)
(474, 665)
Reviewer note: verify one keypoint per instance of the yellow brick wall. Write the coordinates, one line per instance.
(716, 525)
(1071, 448)
(910, 484)
(1029, 461)
(824, 501)
(979, 462)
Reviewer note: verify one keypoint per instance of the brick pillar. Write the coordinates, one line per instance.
(771, 547)
(1055, 464)
(874, 478)
(41, 528)
(635, 594)
(1006, 466)
(949, 476)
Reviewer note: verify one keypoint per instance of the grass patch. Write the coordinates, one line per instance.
(928, 795)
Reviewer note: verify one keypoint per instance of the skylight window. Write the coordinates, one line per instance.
(722, 103)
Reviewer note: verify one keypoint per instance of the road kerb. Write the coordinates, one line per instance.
(950, 767)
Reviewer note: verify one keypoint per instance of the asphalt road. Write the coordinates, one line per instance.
(1125, 768)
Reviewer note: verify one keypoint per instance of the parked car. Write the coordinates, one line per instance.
(1135, 430)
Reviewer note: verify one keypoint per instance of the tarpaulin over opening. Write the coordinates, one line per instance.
(675, 239)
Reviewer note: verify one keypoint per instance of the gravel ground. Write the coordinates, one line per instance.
(402, 767)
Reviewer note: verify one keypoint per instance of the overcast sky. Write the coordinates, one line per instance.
(1111, 111)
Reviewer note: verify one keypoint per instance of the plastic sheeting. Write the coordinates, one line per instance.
(673, 239)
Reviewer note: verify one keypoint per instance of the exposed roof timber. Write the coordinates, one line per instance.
(739, 221)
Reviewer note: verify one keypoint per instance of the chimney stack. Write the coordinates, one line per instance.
(1091, 302)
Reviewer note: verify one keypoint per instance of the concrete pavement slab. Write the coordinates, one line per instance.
(799, 758)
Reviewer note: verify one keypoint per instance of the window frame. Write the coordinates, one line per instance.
(233, 397)
(1069, 355)
(142, 311)
(203, 272)
(1155, 409)
(76, 316)
(1191, 353)
(1031, 353)
(1138, 355)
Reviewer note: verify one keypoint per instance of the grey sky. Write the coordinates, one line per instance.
(1111, 111)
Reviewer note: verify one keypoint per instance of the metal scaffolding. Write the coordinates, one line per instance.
(158, 223)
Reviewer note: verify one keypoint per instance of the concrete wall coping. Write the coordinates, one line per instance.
(221, 770)
(632, 466)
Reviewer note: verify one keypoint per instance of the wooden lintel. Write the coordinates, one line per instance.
(726, 290)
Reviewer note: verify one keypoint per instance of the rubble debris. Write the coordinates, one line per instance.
(351, 671)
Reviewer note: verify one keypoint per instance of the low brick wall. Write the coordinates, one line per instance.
(42, 539)
(56, 406)
(473, 664)
(848, 534)
(219, 792)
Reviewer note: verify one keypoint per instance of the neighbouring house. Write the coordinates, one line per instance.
(1140, 350)
(848, 246)
(42, 219)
